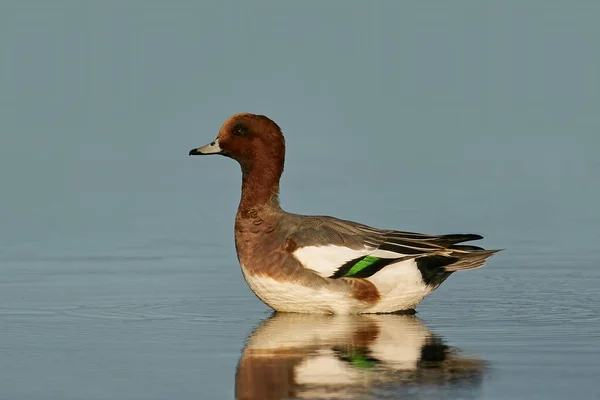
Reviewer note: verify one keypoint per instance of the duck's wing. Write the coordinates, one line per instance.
(336, 248)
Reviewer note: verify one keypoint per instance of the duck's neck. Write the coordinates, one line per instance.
(260, 188)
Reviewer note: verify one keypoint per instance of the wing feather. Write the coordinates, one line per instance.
(336, 248)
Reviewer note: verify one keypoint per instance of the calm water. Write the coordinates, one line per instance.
(160, 309)
(118, 275)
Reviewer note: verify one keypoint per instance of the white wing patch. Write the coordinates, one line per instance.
(327, 259)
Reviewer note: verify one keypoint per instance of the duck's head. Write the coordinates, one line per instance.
(249, 139)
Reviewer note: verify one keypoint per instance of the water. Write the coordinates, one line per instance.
(138, 325)
(118, 274)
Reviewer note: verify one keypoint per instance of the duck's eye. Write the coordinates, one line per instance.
(240, 130)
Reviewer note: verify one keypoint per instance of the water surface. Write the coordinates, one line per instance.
(139, 325)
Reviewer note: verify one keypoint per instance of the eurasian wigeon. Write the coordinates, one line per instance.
(321, 264)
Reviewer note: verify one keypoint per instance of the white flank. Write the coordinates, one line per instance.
(400, 285)
(293, 297)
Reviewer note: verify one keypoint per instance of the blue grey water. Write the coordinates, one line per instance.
(118, 274)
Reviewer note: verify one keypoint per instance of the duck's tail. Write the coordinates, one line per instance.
(472, 259)
(435, 267)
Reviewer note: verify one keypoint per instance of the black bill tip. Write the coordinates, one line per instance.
(194, 152)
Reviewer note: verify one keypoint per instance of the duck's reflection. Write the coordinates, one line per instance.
(326, 356)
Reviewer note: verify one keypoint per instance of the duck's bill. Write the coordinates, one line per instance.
(211, 148)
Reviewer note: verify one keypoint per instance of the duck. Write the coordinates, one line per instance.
(322, 264)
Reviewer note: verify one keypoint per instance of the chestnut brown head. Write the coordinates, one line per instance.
(249, 139)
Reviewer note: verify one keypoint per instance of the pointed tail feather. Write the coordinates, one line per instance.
(470, 260)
